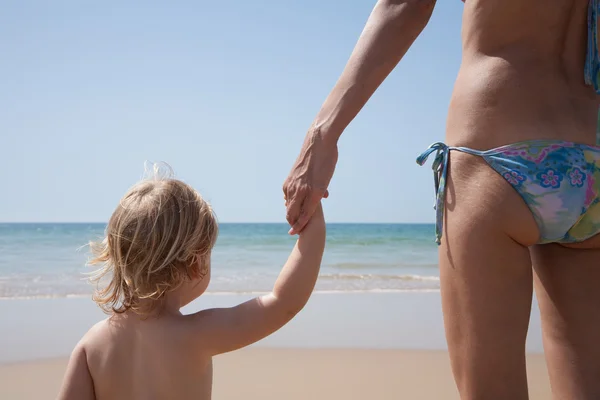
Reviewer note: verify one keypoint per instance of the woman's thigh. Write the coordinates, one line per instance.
(486, 280)
(567, 285)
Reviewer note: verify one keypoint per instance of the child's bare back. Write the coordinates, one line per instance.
(133, 359)
(157, 256)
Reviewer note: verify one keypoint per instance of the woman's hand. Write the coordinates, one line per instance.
(309, 179)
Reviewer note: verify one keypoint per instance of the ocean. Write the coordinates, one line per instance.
(49, 260)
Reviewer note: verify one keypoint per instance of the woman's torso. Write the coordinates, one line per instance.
(522, 74)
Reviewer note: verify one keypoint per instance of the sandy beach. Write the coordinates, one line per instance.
(295, 374)
(350, 346)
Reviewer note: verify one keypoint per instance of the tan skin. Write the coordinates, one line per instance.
(169, 355)
(521, 78)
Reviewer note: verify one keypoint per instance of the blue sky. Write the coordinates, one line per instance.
(222, 91)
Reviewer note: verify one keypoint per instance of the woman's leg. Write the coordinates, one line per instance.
(486, 281)
(567, 285)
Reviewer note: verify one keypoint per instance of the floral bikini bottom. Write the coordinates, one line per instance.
(559, 181)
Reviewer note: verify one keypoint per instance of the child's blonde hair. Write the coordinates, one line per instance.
(154, 238)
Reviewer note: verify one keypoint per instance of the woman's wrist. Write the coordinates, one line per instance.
(325, 132)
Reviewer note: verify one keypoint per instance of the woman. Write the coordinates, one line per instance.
(521, 83)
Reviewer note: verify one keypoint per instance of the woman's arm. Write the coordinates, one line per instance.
(389, 32)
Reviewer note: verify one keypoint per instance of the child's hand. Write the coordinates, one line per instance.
(317, 221)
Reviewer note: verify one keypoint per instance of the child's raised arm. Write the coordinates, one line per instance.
(225, 329)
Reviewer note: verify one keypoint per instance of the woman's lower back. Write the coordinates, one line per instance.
(522, 75)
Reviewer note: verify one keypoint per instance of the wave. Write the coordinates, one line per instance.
(233, 293)
(328, 281)
(383, 277)
(371, 265)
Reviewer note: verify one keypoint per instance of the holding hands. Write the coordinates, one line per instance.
(309, 179)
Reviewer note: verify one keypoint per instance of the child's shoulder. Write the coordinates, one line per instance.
(96, 336)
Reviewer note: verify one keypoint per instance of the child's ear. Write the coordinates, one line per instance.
(193, 270)
(199, 268)
(204, 266)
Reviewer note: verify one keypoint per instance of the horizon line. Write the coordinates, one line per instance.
(220, 222)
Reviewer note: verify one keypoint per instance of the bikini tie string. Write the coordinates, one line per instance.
(440, 171)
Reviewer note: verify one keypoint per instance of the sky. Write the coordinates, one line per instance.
(223, 91)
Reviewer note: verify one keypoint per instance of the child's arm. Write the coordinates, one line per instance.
(77, 383)
(225, 329)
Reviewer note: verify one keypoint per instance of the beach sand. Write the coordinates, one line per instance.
(295, 374)
(341, 346)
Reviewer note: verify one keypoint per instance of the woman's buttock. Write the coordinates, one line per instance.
(534, 192)
(476, 194)
(557, 182)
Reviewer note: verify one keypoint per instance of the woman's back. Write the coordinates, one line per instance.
(522, 75)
